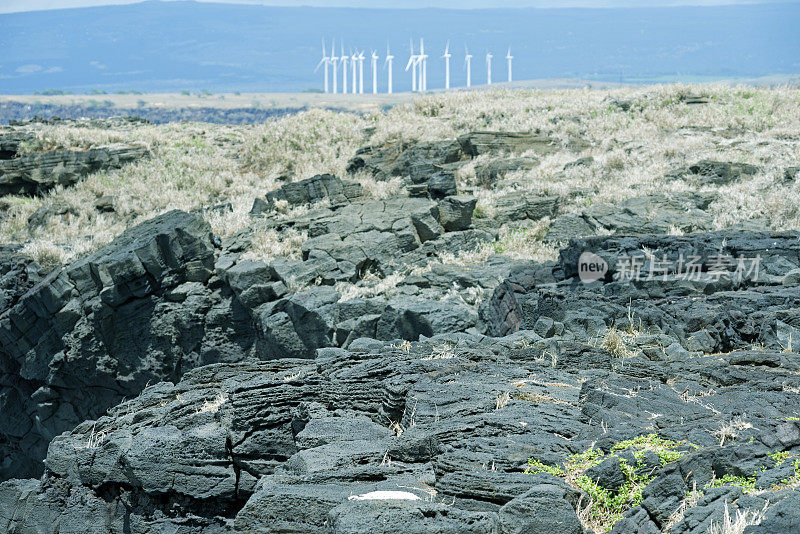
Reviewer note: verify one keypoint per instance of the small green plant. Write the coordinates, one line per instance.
(607, 506)
(779, 457)
(535, 466)
(791, 482)
(663, 448)
(748, 484)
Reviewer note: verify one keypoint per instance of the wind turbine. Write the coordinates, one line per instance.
(412, 64)
(335, 64)
(388, 64)
(354, 68)
(344, 70)
(489, 57)
(423, 66)
(509, 58)
(361, 72)
(447, 55)
(374, 72)
(324, 61)
(468, 65)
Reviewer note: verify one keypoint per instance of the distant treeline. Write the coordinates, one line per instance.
(20, 111)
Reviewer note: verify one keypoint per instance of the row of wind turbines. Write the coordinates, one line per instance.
(352, 66)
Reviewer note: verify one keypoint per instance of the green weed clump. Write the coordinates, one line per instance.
(606, 506)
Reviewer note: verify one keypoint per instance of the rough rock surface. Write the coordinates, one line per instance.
(650, 214)
(430, 167)
(380, 378)
(36, 173)
(711, 292)
(145, 308)
(453, 420)
(708, 172)
(312, 190)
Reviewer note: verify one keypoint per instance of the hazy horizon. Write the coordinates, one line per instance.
(20, 6)
(190, 46)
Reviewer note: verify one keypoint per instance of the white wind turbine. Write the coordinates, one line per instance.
(324, 61)
(354, 68)
(423, 67)
(412, 64)
(374, 72)
(489, 57)
(335, 65)
(468, 65)
(345, 73)
(509, 58)
(388, 65)
(361, 72)
(447, 55)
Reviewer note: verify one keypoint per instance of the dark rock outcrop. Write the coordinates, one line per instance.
(708, 292)
(36, 173)
(490, 173)
(650, 214)
(144, 308)
(478, 143)
(708, 172)
(430, 167)
(441, 425)
(312, 190)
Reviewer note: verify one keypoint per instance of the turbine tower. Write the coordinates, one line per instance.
(361, 72)
(345, 73)
(324, 61)
(447, 55)
(423, 66)
(489, 57)
(354, 68)
(388, 65)
(509, 58)
(374, 72)
(468, 65)
(335, 65)
(412, 64)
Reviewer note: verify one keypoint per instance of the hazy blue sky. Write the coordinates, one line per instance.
(9, 6)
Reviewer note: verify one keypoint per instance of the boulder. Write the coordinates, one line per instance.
(44, 213)
(476, 144)
(312, 190)
(709, 172)
(493, 171)
(521, 206)
(543, 508)
(783, 517)
(397, 159)
(455, 212)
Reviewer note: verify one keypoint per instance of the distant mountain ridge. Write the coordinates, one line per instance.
(174, 46)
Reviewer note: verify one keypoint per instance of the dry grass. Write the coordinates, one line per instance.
(731, 429)
(267, 244)
(619, 343)
(195, 165)
(738, 522)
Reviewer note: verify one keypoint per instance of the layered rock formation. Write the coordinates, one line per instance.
(38, 172)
